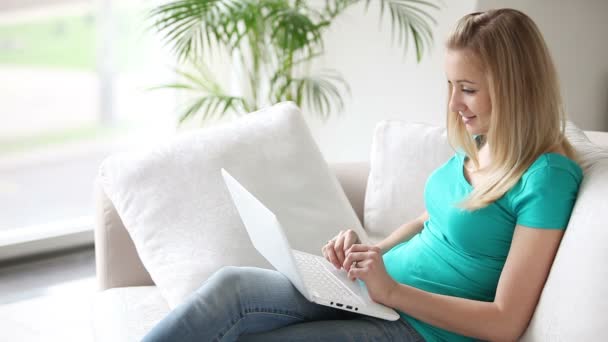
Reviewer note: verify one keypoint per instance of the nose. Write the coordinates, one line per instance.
(456, 104)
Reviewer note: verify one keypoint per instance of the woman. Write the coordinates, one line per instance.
(473, 265)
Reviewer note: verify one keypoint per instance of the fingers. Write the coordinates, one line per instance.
(330, 254)
(339, 247)
(359, 271)
(350, 238)
(352, 258)
(333, 258)
(345, 240)
(335, 250)
(362, 248)
(358, 253)
(355, 273)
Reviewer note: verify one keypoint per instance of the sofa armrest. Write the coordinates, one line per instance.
(117, 261)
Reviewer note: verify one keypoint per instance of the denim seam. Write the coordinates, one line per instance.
(243, 315)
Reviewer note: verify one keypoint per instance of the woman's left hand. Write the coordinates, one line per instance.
(366, 263)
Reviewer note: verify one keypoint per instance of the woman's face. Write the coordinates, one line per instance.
(470, 98)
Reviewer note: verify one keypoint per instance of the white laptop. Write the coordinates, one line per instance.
(316, 278)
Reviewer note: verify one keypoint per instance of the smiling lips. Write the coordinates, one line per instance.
(467, 119)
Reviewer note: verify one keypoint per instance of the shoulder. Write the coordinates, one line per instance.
(551, 167)
(546, 192)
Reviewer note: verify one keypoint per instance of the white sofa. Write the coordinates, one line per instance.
(128, 303)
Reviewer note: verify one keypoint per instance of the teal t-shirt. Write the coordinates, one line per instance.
(461, 253)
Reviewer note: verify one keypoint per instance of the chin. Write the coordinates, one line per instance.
(474, 130)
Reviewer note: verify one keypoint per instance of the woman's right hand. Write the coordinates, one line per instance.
(334, 250)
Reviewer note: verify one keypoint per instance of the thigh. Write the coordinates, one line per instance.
(261, 290)
(363, 328)
(236, 301)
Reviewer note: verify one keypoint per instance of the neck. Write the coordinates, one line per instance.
(483, 156)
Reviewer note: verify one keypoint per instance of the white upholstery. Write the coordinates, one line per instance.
(572, 306)
(574, 302)
(127, 313)
(598, 138)
(179, 214)
(403, 155)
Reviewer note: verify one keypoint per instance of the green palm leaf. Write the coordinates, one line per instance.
(321, 92)
(278, 38)
(410, 17)
(192, 26)
(293, 30)
(208, 97)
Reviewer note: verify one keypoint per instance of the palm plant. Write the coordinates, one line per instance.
(273, 42)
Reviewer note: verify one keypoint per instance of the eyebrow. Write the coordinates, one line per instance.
(463, 81)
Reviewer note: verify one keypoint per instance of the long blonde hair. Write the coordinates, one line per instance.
(527, 117)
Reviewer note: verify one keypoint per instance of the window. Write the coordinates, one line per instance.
(76, 79)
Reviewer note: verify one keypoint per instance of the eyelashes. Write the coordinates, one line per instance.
(464, 90)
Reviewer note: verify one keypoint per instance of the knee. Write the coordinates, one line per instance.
(227, 275)
(232, 279)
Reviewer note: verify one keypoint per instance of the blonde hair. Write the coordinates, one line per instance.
(527, 117)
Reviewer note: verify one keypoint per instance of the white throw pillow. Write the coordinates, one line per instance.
(588, 152)
(177, 209)
(403, 155)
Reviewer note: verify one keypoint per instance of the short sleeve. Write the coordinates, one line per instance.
(546, 198)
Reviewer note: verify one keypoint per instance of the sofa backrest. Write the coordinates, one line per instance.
(573, 304)
(117, 261)
(118, 264)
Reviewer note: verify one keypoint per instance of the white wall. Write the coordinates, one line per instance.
(576, 33)
(384, 84)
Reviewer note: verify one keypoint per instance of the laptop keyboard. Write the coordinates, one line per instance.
(320, 281)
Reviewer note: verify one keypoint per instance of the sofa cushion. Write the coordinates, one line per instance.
(403, 155)
(589, 153)
(127, 313)
(177, 209)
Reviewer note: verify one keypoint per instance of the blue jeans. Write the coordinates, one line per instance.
(253, 304)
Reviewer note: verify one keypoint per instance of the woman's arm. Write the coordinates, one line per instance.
(335, 249)
(521, 282)
(403, 233)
